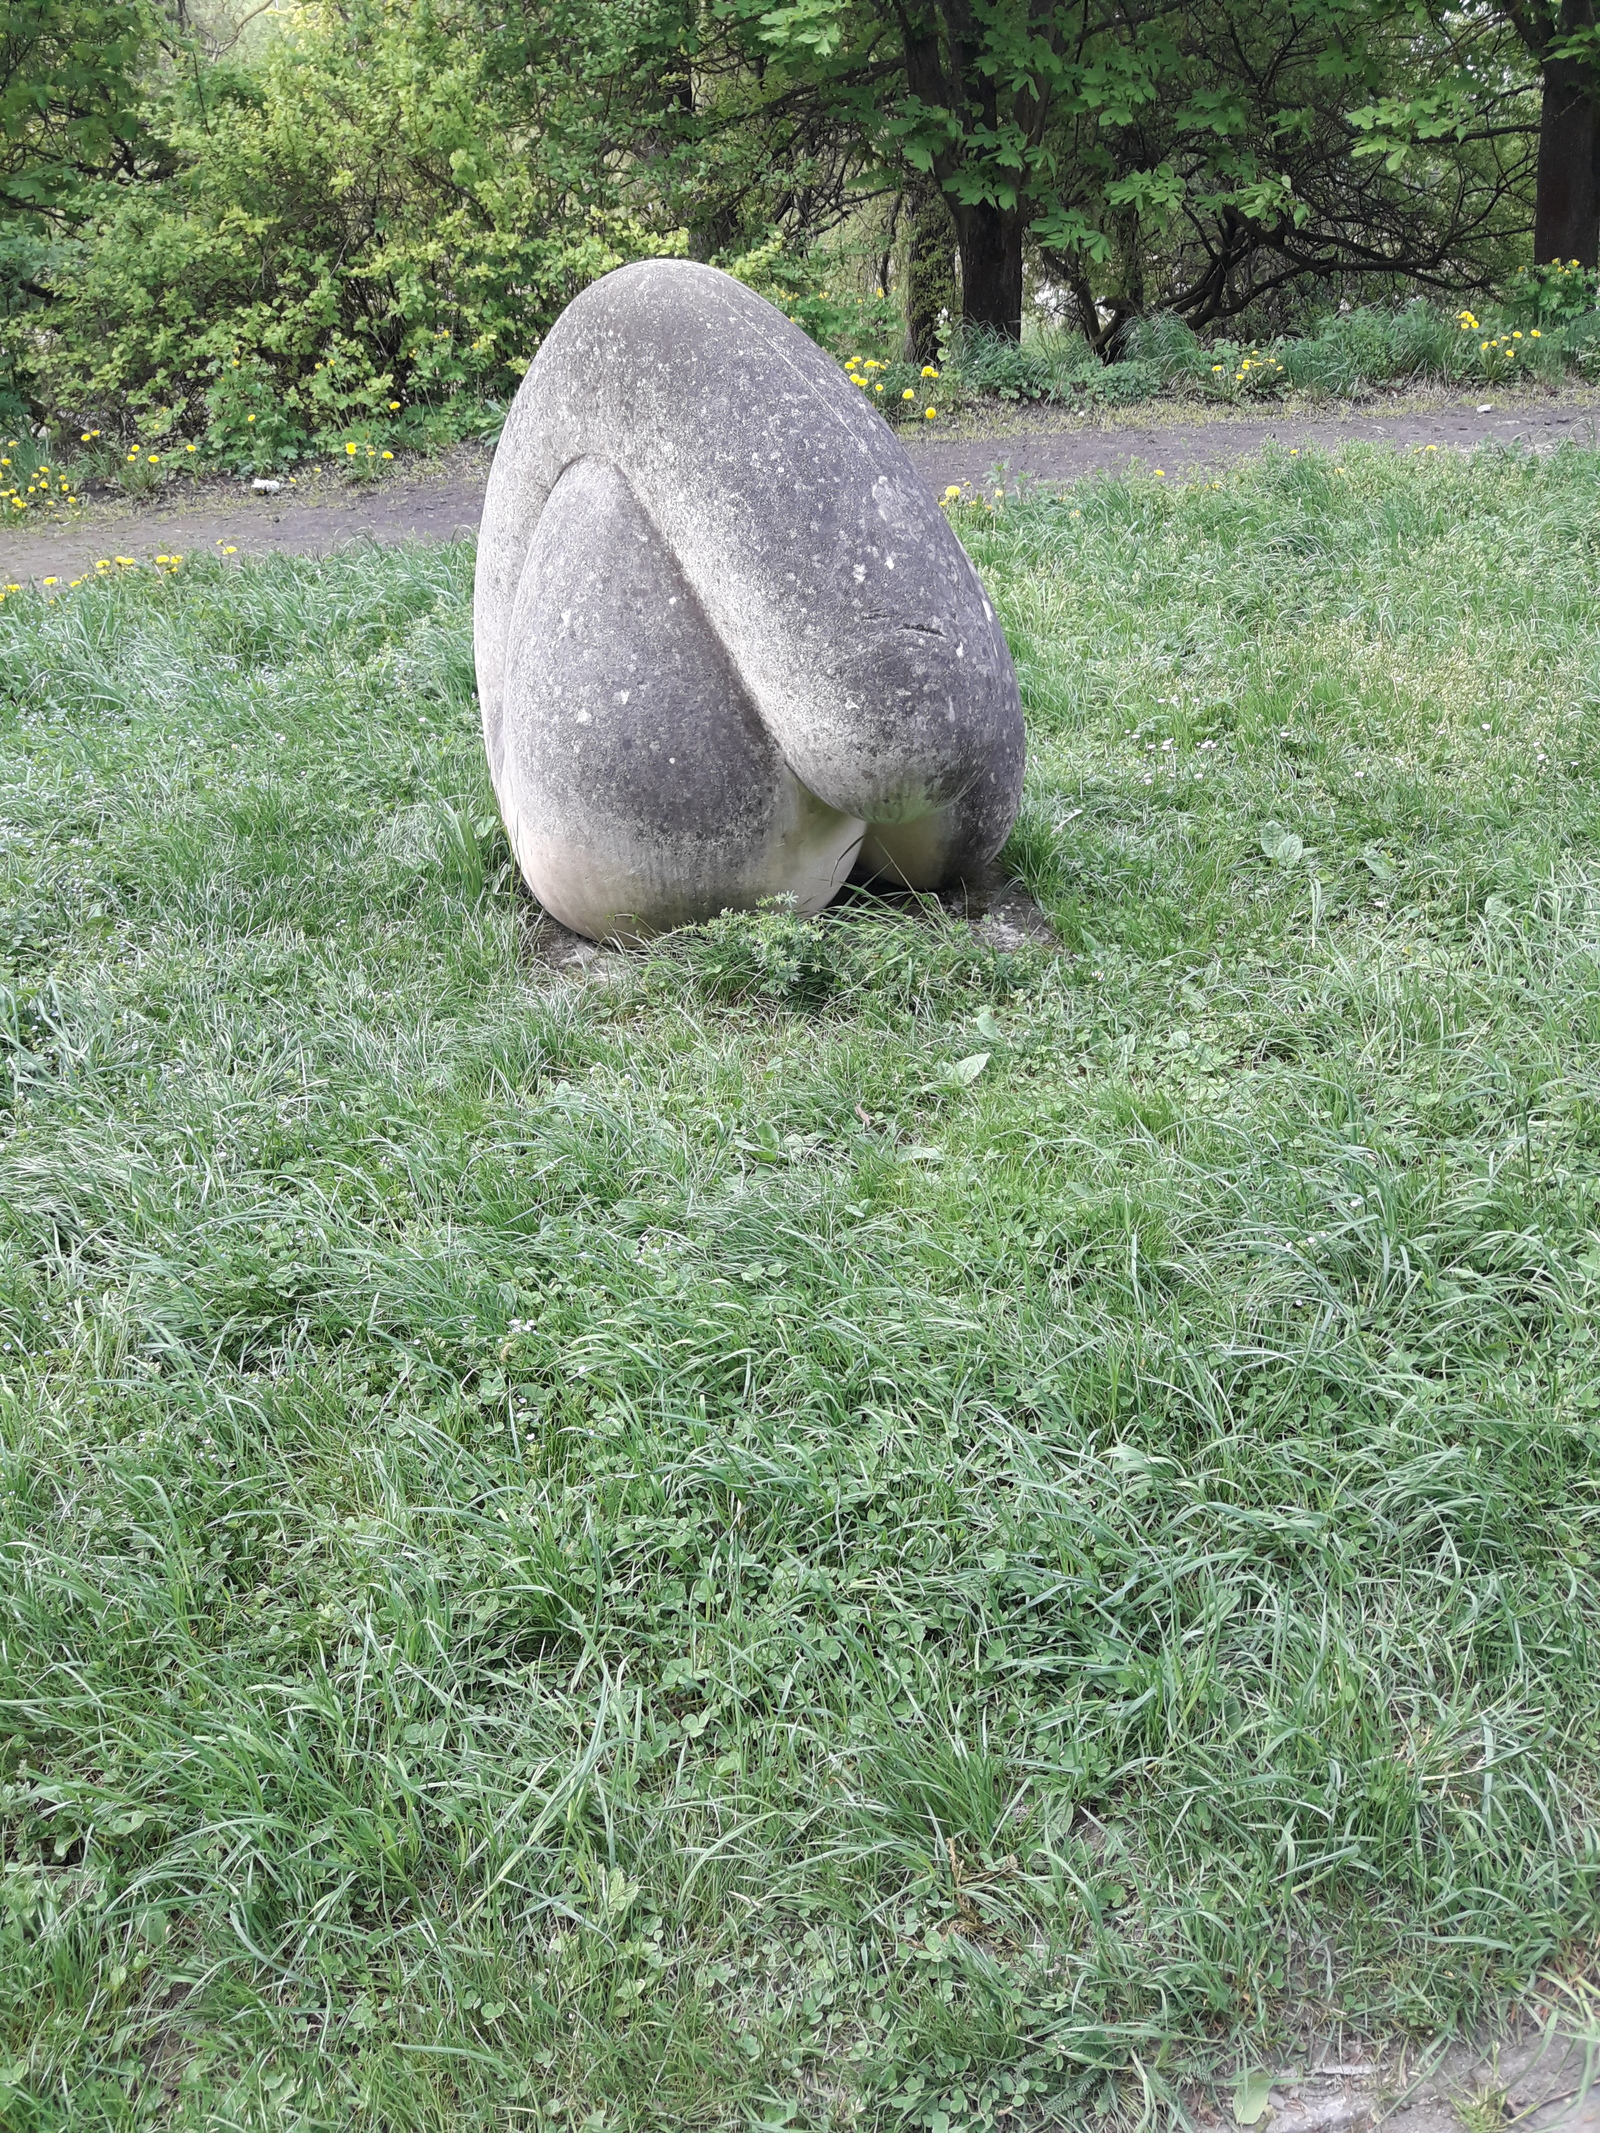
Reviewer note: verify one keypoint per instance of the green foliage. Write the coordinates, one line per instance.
(1553, 295)
(71, 102)
(821, 1522)
(345, 227)
(1048, 363)
(1044, 367)
(1346, 353)
(838, 317)
(1223, 153)
(770, 954)
(362, 231)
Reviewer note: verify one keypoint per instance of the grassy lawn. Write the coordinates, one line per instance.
(667, 1549)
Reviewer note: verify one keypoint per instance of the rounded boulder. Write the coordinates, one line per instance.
(727, 646)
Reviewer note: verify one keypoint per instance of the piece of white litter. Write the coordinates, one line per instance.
(267, 488)
(1487, 408)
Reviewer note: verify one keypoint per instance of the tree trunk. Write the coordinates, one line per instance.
(990, 240)
(929, 267)
(1566, 214)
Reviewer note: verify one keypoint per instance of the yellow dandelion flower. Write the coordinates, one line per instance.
(930, 414)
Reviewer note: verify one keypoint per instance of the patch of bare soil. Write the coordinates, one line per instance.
(1193, 447)
(441, 500)
(1542, 2078)
(310, 514)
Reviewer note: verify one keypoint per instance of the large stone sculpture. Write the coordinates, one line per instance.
(727, 645)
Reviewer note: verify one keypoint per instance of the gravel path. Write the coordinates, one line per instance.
(443, 505)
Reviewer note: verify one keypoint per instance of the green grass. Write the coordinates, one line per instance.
(662, 1550)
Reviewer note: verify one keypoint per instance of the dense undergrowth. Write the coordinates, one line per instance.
(831, 1527)
(1545, 334)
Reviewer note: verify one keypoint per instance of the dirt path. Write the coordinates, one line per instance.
(313, 516)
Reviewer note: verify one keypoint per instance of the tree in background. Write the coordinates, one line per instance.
(961, 93)
(1257, 169)
(386, 198)
(71, 109)
(927, 264)
(736, 135)
(1561, 38)
(1197, 154)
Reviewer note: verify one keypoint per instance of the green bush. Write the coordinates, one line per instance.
(1349, 352)
(806, 289)
(1049, 364)
(1556, 294)
(344, 245)
(1001, 369)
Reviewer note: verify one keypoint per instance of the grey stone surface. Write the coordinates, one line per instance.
(727, 646)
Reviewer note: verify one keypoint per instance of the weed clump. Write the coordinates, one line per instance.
(858, 956)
